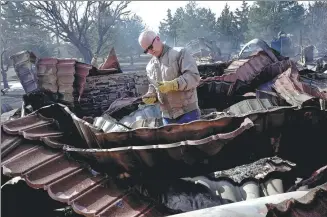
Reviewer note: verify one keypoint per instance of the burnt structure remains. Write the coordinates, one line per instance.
(86, 139)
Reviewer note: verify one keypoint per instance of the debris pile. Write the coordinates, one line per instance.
(263, 126)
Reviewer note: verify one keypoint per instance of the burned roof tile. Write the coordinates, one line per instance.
(67, 181)
(99, 198)
(244, 70)
(312, 204)
(28, 161)
(315, 87)
(24, 65)
(290, 88)
(41, 131)
(111, 61)
(54, 141)
(8, 143)
(72, 185)
(130, 205)
(59, 122)
(65, 79)
(24, 148)
(47, 74)
(51, 171)
(27, 122)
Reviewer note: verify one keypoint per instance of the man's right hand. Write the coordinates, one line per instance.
(149, 100)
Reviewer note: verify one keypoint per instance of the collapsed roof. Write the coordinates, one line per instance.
(253, 143)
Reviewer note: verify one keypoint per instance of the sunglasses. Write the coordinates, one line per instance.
(150, 46)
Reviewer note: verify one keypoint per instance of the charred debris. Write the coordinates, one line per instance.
(84, 136)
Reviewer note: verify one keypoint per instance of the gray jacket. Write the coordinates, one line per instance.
(174, 63)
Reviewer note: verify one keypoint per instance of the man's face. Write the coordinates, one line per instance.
(152, 46)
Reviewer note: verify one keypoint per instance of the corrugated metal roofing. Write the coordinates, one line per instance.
(67, 181)
(32, 145)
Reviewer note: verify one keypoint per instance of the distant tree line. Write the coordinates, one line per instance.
(263, 19)
(82, 29)
(78, 29)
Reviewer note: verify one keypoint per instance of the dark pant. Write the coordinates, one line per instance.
(185, 118)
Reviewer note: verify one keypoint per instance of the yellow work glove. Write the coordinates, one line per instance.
(149, 100)
(167, 86)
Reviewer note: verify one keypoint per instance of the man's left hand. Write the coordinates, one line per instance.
(167, 86)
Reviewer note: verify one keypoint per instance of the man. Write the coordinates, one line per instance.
(173, 76)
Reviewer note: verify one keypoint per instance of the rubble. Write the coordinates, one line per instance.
(262, 119)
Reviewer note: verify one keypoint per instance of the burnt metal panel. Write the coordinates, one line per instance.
(24, 65)
(123, 106)
(312, 204)
(216, 94)
(315, 87)
(290, 88)
(109, 124)
(181, 144)
(143, 113)
(111, 61)
(212, 69)
(197, 130)
(70, 182)
(149, 122)
(251, 106)
(149, 154)
(244, 70)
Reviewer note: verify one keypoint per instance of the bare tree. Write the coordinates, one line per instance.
(88, 25)
(3, 2)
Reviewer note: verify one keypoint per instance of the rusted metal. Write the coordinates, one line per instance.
(58, 151)
(244, 70)
(291, 89)
(111, 61)
(67, 181)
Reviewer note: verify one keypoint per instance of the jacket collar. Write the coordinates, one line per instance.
(164, 50)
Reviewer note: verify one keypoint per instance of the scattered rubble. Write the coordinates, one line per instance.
(89, 141)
